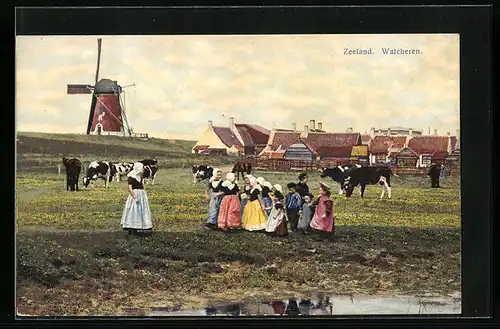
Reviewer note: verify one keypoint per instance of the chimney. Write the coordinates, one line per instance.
(294, 126)
(457, 144)
(349, 130)
(435, 132)
(320, 126)
(231, 122)
(210, 123)
(448, 134)
(388, 131)
(410, 132)
(380, 131)
(312, 125)
(306, 128)
(372, 132)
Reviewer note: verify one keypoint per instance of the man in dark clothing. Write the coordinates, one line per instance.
(302, 188)
(434, 172)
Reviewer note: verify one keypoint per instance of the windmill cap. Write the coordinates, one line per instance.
(107, 86)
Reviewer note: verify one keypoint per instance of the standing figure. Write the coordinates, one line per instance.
(244, 193)
(229, 212)
(434, 172)
(254, 218)
(214, 196)
(276, 222)
(136, 217)
(307, 214)
(302, 188)
(266, 189)
(293, 204)
(323, 219)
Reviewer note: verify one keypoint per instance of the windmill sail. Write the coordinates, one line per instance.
(80, 89)
(92, 110)
(94, 99)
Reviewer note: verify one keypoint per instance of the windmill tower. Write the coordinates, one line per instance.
(107, 109)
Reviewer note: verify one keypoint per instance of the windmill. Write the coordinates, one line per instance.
(107, 109)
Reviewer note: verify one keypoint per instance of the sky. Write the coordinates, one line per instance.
(182, 82)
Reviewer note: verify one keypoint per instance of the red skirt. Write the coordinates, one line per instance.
(229, 212)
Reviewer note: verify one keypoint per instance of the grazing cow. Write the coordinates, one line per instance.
(201, 173)
(149, 162)
(99, 169)
(121, 169)
(434, 173)
(73, 168)
(150, 172)
(338, 174)
(243, 167)
(369, 176)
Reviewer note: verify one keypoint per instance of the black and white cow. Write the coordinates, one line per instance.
(73, 168)
(149, 162)
(338, 174)
(121, 169)
(201, 173)
(99, 169)
(150, 172)
(369, 176)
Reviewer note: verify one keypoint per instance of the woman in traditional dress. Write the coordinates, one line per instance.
(136, 217)
(229, 211)
(244, 192)
(214, 196)
(254, 218)
(276, 222)
(323, 220)
(266, 198)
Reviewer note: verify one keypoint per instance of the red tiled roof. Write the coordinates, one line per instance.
(309, 147)
(283, 138)
(317, 140)
(258, 134)
(381, 144)
(436, 145)
(245, 135)
(226, 136)
(365, 139)
(333, 144)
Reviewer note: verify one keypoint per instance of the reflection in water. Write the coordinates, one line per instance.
(325, 305)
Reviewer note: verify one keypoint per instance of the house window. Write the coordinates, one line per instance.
(406, 162)
(380, 158)
(426, 160)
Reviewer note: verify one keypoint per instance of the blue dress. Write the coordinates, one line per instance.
(214, 201)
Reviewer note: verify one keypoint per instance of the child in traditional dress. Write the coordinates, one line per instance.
(293, 204)
(229, 211)
(307, 214)
(266, 198)
(136, 217)
(276, 222)
(323, 220)
(214, 197)
(244, 195)
(254, 218)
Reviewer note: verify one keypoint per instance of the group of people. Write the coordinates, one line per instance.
(260, 206)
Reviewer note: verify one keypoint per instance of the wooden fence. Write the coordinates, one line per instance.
(303, 165)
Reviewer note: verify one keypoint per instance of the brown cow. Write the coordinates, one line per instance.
(243, 167)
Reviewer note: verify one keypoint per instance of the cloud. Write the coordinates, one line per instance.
(183, 81)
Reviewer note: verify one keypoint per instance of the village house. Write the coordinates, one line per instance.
(237, 138)
(383, 148)
(313, 143)
(421, 151)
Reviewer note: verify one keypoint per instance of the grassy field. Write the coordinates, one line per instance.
(73, 258)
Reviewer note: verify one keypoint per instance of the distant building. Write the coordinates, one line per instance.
(396, 130)
(237, 138)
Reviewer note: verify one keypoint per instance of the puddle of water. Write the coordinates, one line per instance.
(336, 305)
